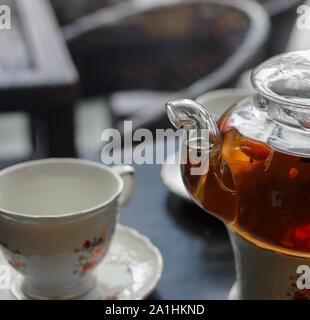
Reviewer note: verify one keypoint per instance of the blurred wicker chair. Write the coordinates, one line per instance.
(185, 47)
(67, 11)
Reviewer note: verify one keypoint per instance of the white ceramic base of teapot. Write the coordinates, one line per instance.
(264, 274)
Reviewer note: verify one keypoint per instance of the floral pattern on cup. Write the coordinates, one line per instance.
(89, 255)
(14, 257)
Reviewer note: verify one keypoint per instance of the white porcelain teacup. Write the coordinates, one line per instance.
(57, 217)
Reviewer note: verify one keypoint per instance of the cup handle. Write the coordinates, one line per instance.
(127, 173)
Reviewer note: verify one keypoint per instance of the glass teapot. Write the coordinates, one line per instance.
(258, 156)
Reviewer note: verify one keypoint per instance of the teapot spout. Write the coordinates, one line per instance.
(189, 114)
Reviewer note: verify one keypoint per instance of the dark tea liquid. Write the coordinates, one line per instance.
(263, 194)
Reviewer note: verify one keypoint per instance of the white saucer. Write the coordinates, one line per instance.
(130, 271)
(217, 102)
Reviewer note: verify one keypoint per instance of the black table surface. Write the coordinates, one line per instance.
(198, 258)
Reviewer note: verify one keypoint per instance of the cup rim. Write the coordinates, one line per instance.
(77, 214)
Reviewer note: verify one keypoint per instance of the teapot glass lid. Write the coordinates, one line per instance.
(285, 79)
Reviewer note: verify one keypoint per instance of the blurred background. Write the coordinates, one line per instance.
(69, 69)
